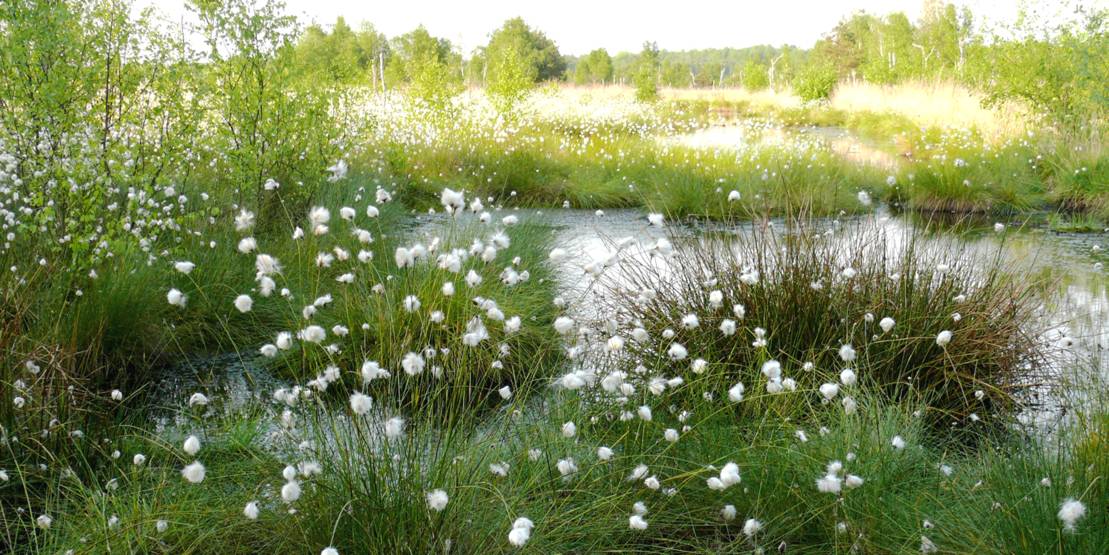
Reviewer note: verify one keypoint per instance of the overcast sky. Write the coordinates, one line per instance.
(579, 26)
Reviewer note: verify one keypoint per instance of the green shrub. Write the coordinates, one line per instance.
(815, 82)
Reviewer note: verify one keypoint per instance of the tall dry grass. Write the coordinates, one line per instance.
(932, 104)
(926, 103)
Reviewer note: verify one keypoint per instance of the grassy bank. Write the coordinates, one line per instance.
(542, 165)
(610, 152)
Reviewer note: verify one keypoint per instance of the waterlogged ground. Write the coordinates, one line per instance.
(1079, 311)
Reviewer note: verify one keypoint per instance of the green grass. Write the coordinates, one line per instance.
(1075, 223)
(365, 499)
(205, 518)
(542, 168)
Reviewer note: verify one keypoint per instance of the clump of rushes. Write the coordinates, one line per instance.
(827, 310)
(441, 317)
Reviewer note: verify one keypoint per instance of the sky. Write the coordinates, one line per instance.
(578, 26)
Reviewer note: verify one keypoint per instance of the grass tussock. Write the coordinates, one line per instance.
(815, 301)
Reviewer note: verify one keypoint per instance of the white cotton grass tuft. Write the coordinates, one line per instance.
(772, 369)
(829, 484)
(394, 427)
(437, 500)
(638, 473)
(371, 370)
(847, 352)
(318, 216)
(569, 430)
(943, 338)
(716, 299)
(176, 298)
(194, 473)
(251, 510)
(360, 403)
(247, 245)
(735, 394)
(564, 325)
(290, 492)
(413, 364)
(1070, 512)
(927, 545)
(521, 531)
(677, 351)
(847, 377)
(637, 522)
(191, 445)
(729, 476)
(243, 303)
(751, 527)
(567, 467)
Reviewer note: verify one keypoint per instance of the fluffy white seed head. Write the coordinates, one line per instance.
(437, 500)
(194, 473)
(1070, 512)
(192, 445)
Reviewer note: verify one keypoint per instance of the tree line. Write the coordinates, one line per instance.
(1061, 68)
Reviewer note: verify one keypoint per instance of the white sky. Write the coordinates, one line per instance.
(579, 26)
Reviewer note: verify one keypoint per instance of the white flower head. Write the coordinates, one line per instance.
(1070, 512)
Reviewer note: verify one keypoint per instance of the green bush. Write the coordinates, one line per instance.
(646, 73)
(815, 82)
